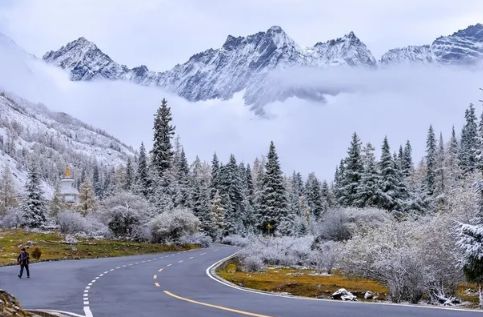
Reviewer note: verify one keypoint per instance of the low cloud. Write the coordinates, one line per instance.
(311, 135)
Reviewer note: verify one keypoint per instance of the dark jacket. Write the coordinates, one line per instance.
(23, 258)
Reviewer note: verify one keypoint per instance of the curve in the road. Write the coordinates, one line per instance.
(173, 285)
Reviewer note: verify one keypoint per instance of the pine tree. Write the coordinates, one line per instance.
(215, 181)
(182, 180)
(327, 197)
(96, 182)
(273, 201)
(129, 175)
(143, 182)
(471, 244)
(313, 192)
(231, 193)
(339, 181)
(469, 142)
(162, 152)
(295, 193)
(393, 191)
(34, 207)
(440, 174)
(8, 194)
(368, 194)
(200, 199)
(451, 160)
(86, 198)
(352, 173)
(431, 167)
(218, 216)
(407, 163)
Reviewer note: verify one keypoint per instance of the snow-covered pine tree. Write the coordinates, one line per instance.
(339, 181)
(162, 151)
(273, 199)
(231, 192)
(392, 189)
(313, 193)
(218, 216)
(249, 220)
(8, 194)
(471, 243)
(368, 193)
(429, 180)
(451, 160)
(200, 198)
(407, 163)
(327, 196)
(109, 184)
(33, 207)
(96, 181)
(352, 173)
(182, 180)
(143, 181)
(129, 175)
(440, 175)
(295, 193)
(469, 142)
(87, 200)
(215, 181)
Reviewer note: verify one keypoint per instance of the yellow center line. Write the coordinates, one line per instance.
(236, 311)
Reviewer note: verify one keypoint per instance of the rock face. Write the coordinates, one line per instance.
(239, 64)
(461, 48)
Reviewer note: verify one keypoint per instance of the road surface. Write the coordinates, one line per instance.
(172, 285)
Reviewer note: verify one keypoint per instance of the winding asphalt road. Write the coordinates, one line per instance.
(174, 285)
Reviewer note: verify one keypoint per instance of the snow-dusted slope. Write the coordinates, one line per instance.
(216, 73)
(347, 50)
(462, 47)
(30, 131)
(408, 54)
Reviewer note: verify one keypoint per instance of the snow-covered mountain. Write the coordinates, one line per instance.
(239, 64)
(244, 63)
(54, 140)
(462, 47)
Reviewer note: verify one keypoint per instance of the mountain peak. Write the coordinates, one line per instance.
(85, 61)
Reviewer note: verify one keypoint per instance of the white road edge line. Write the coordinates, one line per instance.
(210, 271)
(87, 311)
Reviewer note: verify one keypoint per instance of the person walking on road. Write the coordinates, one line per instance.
(23, 260)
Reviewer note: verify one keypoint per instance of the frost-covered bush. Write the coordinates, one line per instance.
(12, 218)
(125, 214)
(342, 223)
(411, 258)
(252, 263)
(236, 240)
(286, 251)
(72, 222)
(170, 226)
(196, 238)
(325, 255)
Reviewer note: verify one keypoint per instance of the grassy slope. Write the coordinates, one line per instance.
(305, 282)
(301, 282)
(53, 247)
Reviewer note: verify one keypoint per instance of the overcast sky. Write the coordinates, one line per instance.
(399, 102)
(161, 33)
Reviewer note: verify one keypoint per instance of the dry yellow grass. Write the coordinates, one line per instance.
(300, 282)
(53, 247)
